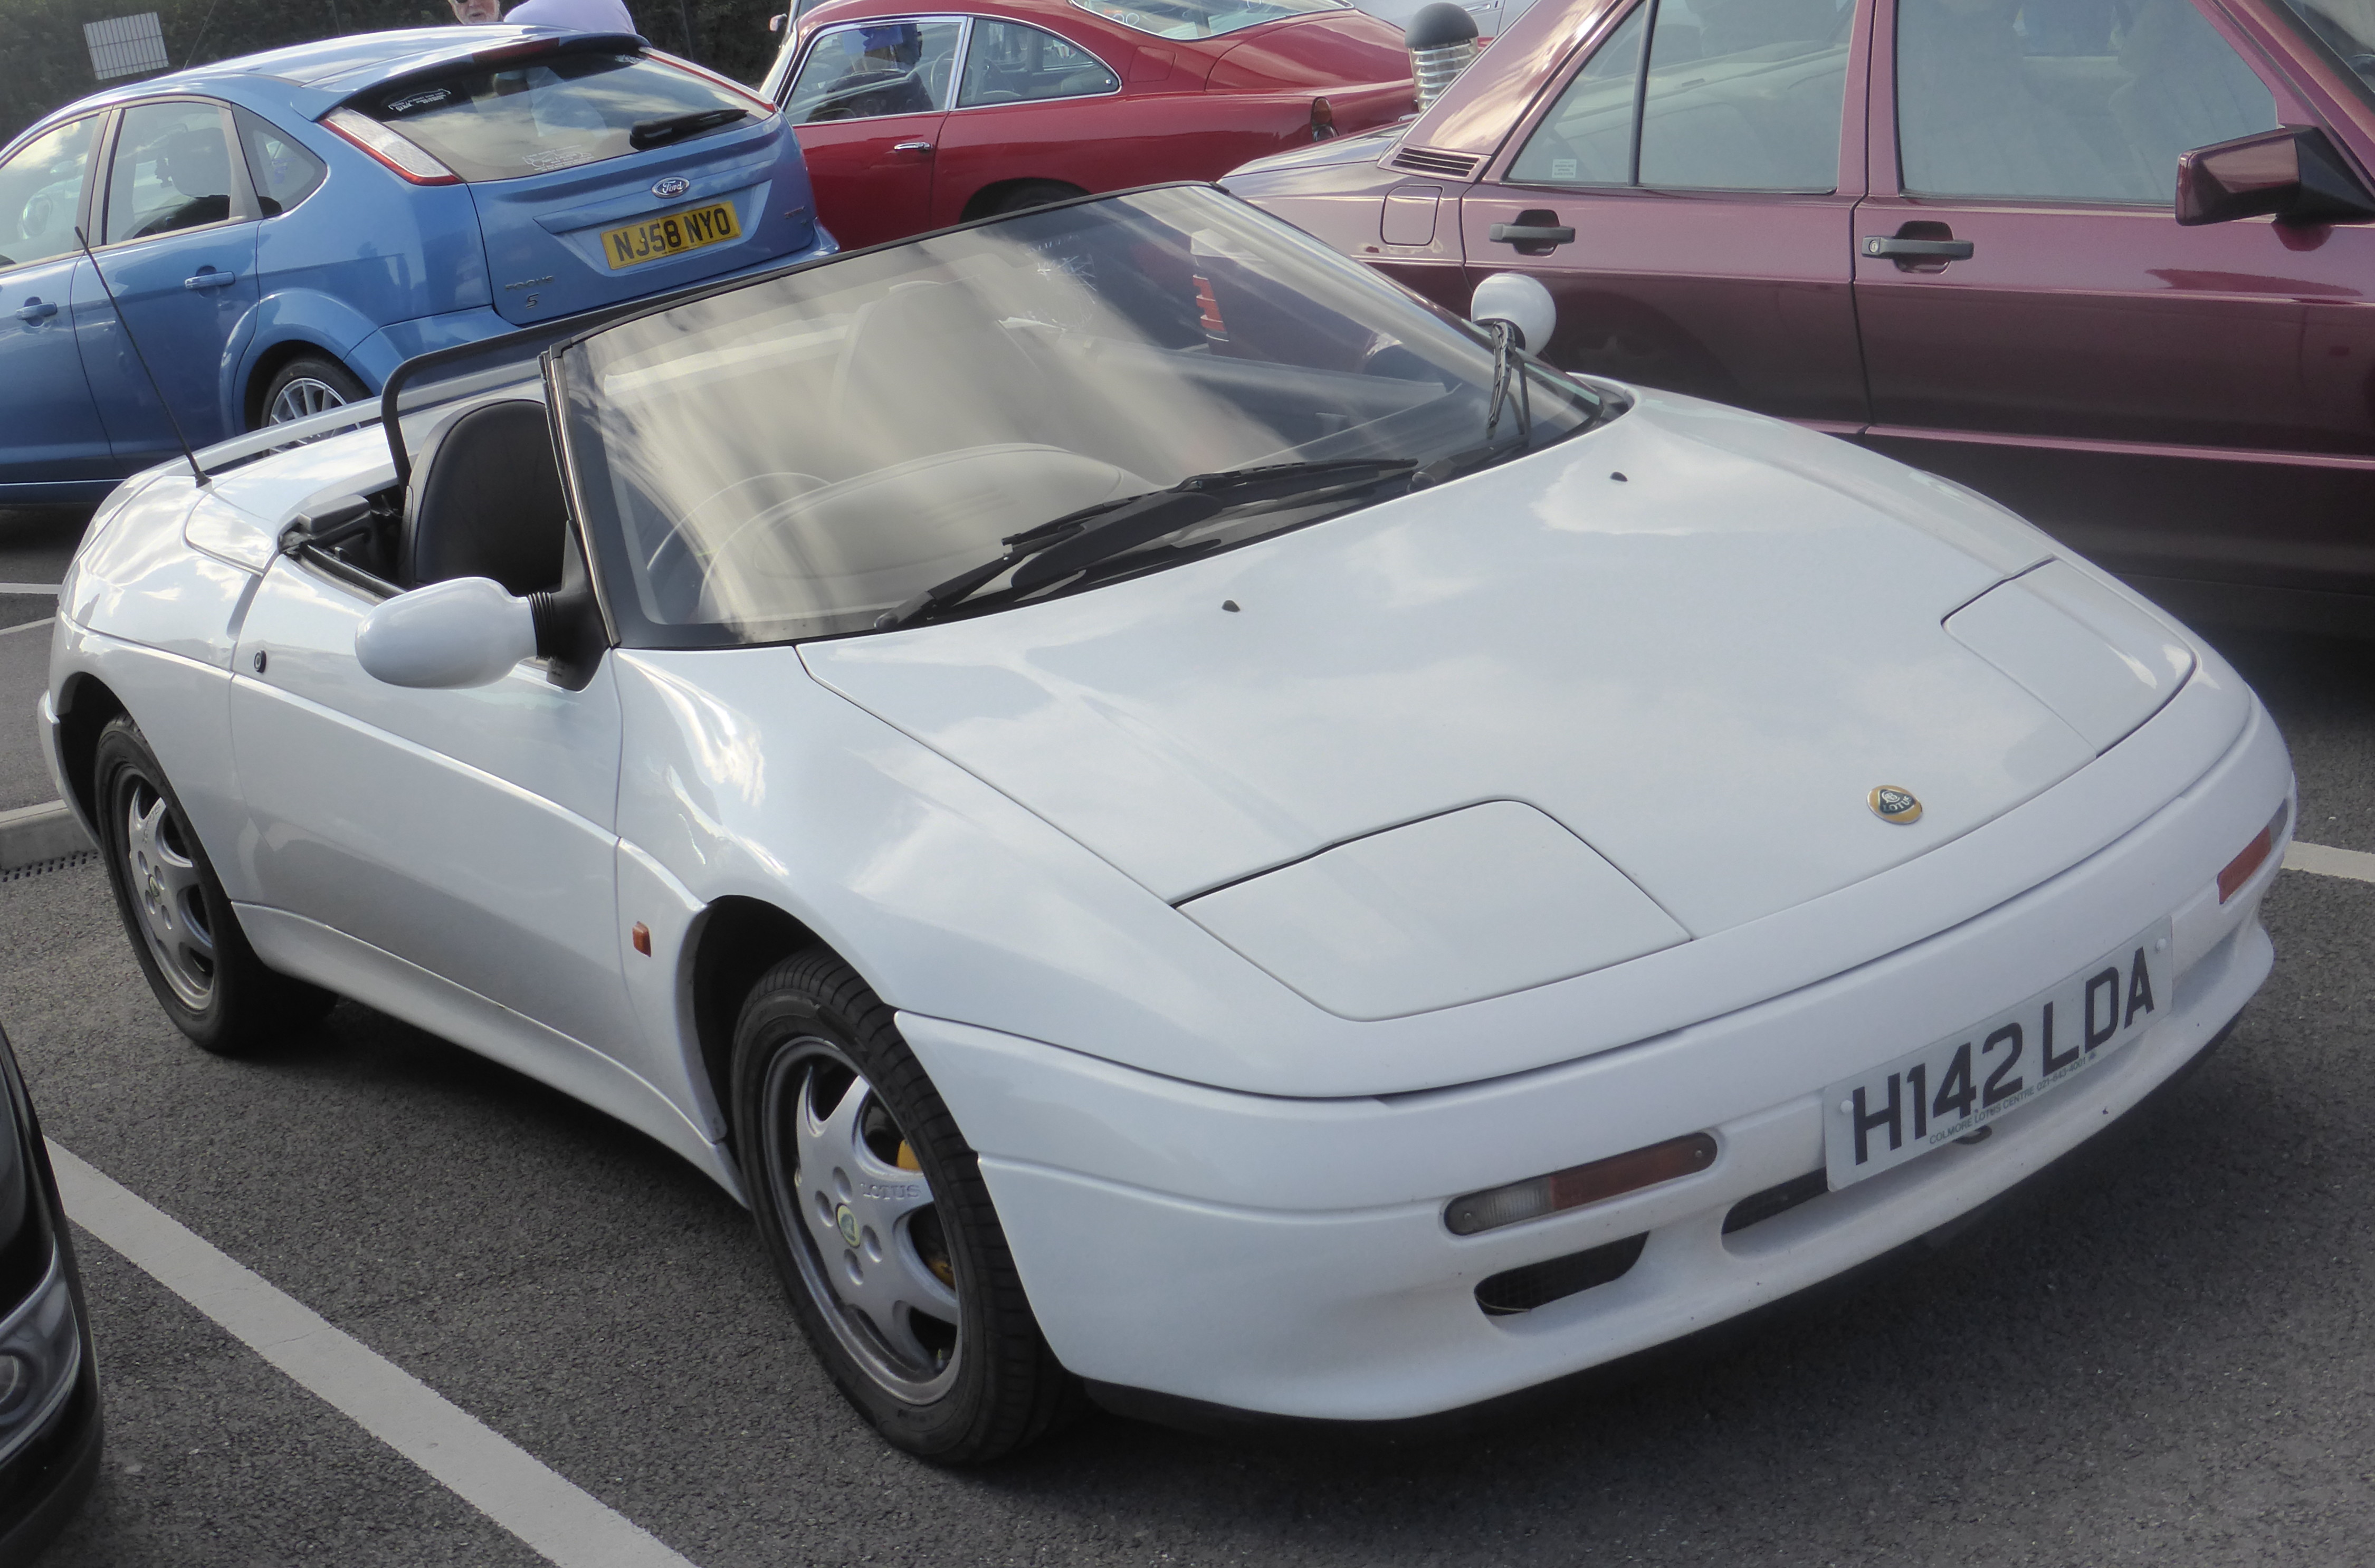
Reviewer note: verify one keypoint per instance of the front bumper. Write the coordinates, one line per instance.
(1290, 1257)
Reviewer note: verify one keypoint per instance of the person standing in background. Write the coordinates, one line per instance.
(469, 13)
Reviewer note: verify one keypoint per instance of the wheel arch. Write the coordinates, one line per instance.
(270, 363)
(86, 706)
(735, 942)
(983, 201)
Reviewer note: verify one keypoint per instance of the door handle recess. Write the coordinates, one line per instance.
(37, 309)
(911, 146)
(210, 281)
(1530, 233)
(1923, 250)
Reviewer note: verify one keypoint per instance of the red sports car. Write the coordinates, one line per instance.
(913, 118)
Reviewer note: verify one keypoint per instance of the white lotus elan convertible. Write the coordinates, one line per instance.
(1179, 823)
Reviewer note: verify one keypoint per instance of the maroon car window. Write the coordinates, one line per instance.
(874, 68)
(41, 193)
(1014, 63)
(2345, 26)
(2094, 107)
(171, 170)
(1739, 95)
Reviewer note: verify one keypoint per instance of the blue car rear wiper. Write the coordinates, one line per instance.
(646, 134)
(1062, 545)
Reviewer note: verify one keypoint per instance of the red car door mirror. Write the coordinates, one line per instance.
(2292, 173)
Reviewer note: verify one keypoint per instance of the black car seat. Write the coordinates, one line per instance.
(486, 502)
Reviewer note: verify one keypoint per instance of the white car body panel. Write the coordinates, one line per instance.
(995, 822)
(1487, 643)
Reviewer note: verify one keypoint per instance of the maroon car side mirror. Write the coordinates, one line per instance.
(2292, 173)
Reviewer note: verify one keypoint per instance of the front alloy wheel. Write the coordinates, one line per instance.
(871, 1250)
(873, 1209)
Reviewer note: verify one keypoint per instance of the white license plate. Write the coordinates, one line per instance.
(1902, 1109)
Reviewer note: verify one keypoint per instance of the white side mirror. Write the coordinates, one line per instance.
(1521, 301)
(468, 631)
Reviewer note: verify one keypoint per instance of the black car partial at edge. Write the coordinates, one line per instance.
(50, 1421)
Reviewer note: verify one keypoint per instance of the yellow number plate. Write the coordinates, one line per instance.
(672, 235)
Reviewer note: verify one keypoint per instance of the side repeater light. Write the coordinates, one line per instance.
(2255, 853)
(1580, 1185)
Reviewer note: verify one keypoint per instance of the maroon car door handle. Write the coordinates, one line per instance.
(1530, 233)
(1918, 250)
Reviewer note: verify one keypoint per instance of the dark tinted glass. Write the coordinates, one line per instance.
(284, 174)
(568, 109)
(171, 170)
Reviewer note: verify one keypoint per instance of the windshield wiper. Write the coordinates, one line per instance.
(646, 134)
(1062, 545)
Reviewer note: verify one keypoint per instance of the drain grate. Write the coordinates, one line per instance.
(42, 867)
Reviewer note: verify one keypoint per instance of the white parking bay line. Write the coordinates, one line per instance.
(2324, 860)
(563, 1524)
(49, 588)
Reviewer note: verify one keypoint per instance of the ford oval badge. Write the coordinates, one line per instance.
(670, 188)
(1891, 804)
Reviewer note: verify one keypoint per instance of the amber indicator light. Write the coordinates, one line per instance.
(2255, 853)
(642, 938)
(1580, 1185)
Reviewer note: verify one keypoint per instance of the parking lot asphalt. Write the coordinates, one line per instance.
(2158, 1356)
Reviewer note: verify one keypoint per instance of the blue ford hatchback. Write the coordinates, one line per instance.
(281, 230)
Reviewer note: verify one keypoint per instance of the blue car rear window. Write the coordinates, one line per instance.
(509, 121)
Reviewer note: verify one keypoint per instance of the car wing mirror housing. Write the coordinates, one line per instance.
(462, 632)
(1520, 299)
(2292, 174)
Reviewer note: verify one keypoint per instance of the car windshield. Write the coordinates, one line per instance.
(801, 455)
(503, 122)
(1200, 18)
(2345, 26)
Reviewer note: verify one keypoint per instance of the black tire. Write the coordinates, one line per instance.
(812, 1032)
(308, 384)
(1031, 193)
(205, 976)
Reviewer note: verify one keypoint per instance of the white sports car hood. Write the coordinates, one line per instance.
(1698, 640)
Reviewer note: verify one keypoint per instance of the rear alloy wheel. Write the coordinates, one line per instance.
(306, 385)
(874, 1212)
(205, 976)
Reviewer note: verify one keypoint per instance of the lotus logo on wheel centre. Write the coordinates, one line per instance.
(848, 1223)
(670, 188)
(1891, 804)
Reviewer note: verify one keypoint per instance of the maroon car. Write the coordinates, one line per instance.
(2112, 262)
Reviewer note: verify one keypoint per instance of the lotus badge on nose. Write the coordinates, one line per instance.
(670, 188)
(1891, 804)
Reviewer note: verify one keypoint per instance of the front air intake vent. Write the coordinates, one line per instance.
(1539, 1284)
(1420, 161)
